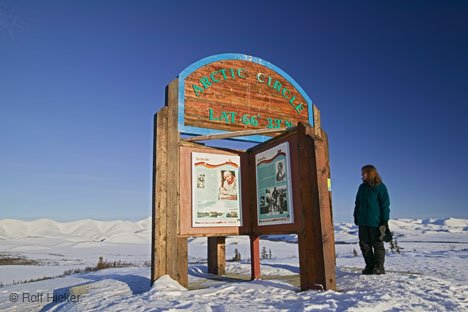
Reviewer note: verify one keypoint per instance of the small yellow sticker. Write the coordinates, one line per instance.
(329, 184)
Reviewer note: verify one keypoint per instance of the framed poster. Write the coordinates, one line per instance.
(216, 195)
(274, 199)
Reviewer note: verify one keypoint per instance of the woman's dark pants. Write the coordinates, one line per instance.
(372, 249)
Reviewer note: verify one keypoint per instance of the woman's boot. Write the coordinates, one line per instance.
(368, 258)
(379, 258)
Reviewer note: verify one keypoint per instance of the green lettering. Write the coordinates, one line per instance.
(269, 81)
(233, 117)
(232, 73)
(239, 73)
(212, 76)
(291, 100)
(277, 86)
(211, 114)
(245, 119)
(270, 123)
(258, 77)
(205, 82)
(197, 90)
(224, 116)
(284, 93)
(254, 121)
(299, 108)
(277, 123)
(223, 72)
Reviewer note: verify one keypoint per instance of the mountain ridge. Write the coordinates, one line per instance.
(121, 231)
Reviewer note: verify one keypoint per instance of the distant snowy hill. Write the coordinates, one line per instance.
(140, 232)
(412, 229)
(81, 230)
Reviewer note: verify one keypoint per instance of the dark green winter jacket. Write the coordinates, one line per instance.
(372, 205)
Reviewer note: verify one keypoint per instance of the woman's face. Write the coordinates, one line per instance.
(228, 177)
(364, 176)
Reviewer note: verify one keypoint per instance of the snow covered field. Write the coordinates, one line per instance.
(430, 273)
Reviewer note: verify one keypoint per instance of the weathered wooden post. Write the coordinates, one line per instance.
(316, 241)
(255, 257)
(169, 250)
(217, 255)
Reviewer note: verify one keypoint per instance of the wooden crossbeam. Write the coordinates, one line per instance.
(237, 134)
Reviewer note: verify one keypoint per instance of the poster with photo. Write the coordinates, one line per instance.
(274, 199)
(216, 198)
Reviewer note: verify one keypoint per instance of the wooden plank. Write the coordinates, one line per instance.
(309, 241)
(327, 151)
(217, 255)
(153, 205)
(160, 196)
(255, 257)
(316, 243)
(237, 134)
(172, 159)
(176, 264)
(212, 256)
(317, 126)
(246, 187)
(326, 219)
(182, 259)
(169, 251)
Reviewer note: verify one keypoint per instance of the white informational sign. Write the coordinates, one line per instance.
(274, 188)
(216, 192)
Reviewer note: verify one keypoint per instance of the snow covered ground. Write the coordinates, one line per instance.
(430, 273)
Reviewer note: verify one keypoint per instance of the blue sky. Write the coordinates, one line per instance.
(81, 80)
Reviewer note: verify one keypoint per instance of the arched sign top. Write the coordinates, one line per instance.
(232, 92)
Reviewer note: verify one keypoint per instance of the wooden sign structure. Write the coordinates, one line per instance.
(233, 92)
(279, 186)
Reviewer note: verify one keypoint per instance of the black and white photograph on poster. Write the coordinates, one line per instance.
(215, 190)
(228, 189)
(280, 175)
(201, 180)
(274, 199)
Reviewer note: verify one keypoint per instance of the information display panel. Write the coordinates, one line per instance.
(273, 176)
(216, 196)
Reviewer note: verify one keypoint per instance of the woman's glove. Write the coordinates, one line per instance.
(382, 229)
(385, 234)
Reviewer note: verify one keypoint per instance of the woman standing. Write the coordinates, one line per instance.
(372, 212)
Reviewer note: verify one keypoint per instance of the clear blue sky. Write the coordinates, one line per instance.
(81, 80)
